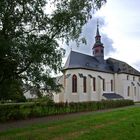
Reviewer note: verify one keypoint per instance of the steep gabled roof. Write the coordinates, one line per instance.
(122, 67)
(78, 60)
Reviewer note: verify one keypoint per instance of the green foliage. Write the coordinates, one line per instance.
(11, 90)
(45, 99)
(29, 35)
(38, 109)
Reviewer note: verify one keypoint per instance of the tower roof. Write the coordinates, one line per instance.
(97, 32)
(98, 38)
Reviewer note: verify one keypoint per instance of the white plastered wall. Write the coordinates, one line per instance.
(132, 83)
(90, 95)
(120, 86)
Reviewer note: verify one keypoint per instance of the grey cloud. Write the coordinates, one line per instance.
(89, 32)
(136, 65)
(107, 44)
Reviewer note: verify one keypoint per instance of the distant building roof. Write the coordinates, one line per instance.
(78, 60)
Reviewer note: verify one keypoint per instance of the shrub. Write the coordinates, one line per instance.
(39, 109)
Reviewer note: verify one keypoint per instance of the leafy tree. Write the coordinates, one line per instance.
(11, 90)
(29, 35)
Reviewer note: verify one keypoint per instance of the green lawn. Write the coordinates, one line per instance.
(122, 124)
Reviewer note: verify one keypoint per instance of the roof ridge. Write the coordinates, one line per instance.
(81, 53)
(117, 60)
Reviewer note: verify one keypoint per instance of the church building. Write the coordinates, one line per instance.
(92, 78)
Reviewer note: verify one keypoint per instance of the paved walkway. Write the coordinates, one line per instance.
(29, 122)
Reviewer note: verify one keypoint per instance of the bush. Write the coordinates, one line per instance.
(40, 109)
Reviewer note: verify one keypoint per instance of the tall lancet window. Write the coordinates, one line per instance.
(103, 84)
(84, 84)
(128, 91)
(94, 84)
(111, 85)
(74, 83)
(135, 91)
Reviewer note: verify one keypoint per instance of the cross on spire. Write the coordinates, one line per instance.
(97, 23)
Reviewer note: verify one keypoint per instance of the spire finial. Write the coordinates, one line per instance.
(97, 22)
(97, 33)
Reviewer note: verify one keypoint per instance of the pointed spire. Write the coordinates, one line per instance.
(97, 33)
(97, 37)
(98, 48)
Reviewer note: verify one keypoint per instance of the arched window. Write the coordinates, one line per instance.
(94, 84)
(74, 83)
(127, 77)
(102, 51)
(128, 91)
(135, 91)
(103, 84)
(111, 85)
(84, 84)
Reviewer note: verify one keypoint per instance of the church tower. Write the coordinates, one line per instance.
(98, 48)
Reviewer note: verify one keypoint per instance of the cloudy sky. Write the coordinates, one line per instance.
(119, 29)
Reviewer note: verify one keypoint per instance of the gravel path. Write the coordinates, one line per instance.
(29, 122)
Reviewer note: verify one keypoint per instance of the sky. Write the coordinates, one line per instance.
(119, 22)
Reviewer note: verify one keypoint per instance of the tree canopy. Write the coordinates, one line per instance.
(29, 34)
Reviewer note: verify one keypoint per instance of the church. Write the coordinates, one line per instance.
(92, 78)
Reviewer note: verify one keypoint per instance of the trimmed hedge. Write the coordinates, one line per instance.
(26, 110)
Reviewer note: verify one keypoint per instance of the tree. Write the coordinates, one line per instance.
(11, 90)
(29, 35)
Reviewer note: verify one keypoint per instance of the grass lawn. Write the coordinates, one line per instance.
(122, 124)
